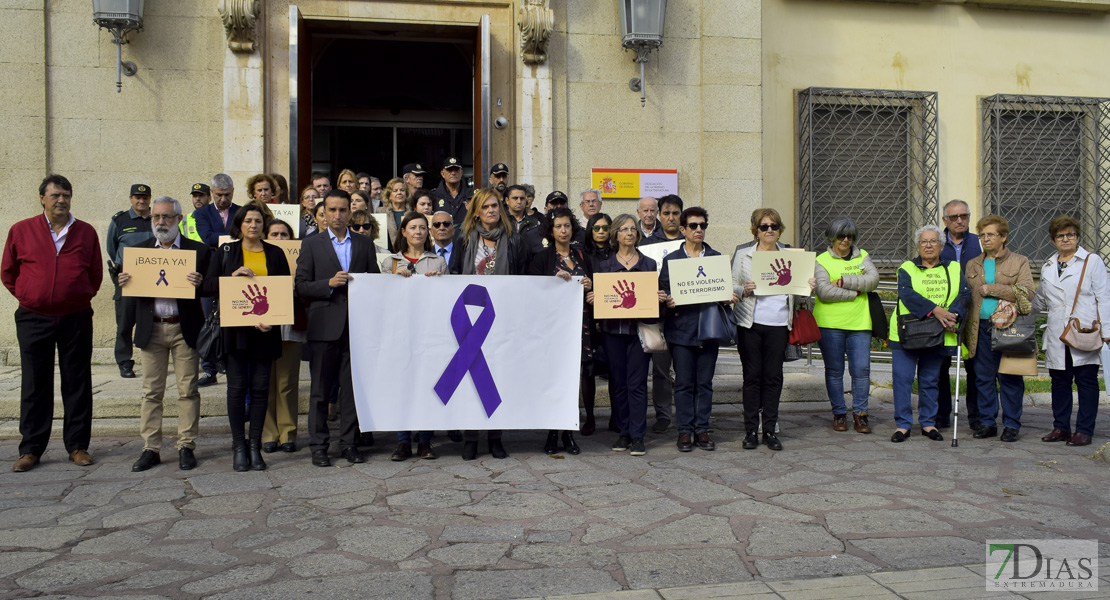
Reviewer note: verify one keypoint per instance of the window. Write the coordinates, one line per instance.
(1045, 156)
(870, 155)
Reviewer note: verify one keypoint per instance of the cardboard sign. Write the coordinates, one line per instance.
(158, 273)
(224, 239)
(248, 301)
(633, 295)
(383, 227)
(700, 280)
(785, 272)
(292, 250)
(290, 214)
(658, 250)
(1018, 364)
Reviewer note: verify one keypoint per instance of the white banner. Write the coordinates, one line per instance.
(465, 352)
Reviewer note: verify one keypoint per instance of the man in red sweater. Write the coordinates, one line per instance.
(52, 265)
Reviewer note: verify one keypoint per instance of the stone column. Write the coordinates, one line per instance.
(244, 92)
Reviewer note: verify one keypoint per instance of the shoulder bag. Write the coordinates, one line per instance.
(804, 329)
(880, 326)
(922, 334)
(714, 325)
(1077, 336)
(651, 337)
(210, 344)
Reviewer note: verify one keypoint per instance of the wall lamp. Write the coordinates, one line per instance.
(120, 17)
(642, 31)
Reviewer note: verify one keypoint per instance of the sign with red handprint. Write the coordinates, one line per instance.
(785, 272)
(633, 295)
(248, 301)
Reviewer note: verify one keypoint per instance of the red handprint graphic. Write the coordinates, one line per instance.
(627, 292)
(782, 269)
(259, 304)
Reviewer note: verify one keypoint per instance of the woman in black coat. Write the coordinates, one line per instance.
(562, 260)
(597, 250)
(249, 352)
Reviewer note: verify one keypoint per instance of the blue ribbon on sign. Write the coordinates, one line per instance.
(162, 279)
(469, 356)
(701, 272)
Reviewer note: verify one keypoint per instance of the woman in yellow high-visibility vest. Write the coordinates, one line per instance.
(845, 274)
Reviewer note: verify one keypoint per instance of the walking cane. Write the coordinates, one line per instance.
(956, 400)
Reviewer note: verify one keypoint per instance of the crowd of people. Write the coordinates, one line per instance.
(960, 291)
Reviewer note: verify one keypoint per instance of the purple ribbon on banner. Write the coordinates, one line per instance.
(469, 356)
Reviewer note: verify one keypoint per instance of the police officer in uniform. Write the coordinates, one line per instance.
(452, 193)
(499, 178)
(128, 228)
(202, 195)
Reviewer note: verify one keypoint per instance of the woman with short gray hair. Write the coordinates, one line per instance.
(928, 288)
(845, 274)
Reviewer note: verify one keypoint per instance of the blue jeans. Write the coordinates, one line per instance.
(628, 372)
(1086, 380)
(422, 437)
(986, 373)
(693, 386)
(926, 363)
(834, 344)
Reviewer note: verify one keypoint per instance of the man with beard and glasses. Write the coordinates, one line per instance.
(167, 328)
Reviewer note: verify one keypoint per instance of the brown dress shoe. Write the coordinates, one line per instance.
(840, 422)
(425, 451)
(403, 452)
(81, 458)
(859, 421)
(1057, 436)
(25, 462)
(1079, 439)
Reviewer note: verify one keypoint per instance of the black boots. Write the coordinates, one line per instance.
(257, 464)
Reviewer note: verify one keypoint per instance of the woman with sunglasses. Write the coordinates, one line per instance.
(763, 326)
(597, 250)
(414, 256)
(562, 260)
(363, 223)
(845, 274)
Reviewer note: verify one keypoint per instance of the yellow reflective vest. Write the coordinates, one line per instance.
(853, 315)
(935, 286)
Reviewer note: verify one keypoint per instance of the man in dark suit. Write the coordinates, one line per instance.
(214, 219)
(324, 267)
(165, 328)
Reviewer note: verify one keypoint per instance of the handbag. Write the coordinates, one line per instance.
(651, 337)
(714, 327)
(210, 344)
(1017, 338)
(1077, 336)
(793, 353)
(880, 326)
(805, 329)
(922, 334)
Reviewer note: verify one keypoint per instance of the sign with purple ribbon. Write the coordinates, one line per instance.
(466, 352)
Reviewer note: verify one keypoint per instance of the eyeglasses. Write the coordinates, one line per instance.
(162, 217)
(1071, 235)
(697, 225)
(591, 201)
(360, 226)
(959, 217)
(989, 236)
(598, 228)
(441, 224)
(770, 227)
(929, 242)
(627, 230)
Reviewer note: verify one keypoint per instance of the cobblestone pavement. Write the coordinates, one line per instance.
(830, 504)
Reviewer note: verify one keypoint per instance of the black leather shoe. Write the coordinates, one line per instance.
(986, 431)
(932, 434)
(127, 371)
(352, 455)
(751, 441)
(366, 438)
(899, 436)
(257, 463)
(1009, 435)
(269, 447)
(289, 447)
(772, 441)
(185, 459)
(470, 451)
(239, 459)
(147, 459)
(974, 425)
(320, 458)
(661, 425)
(942, 423)
(569, 445)
(552, 445)
(455, 436)
(497, 450)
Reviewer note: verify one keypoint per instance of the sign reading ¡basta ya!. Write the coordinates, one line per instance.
(158, 273)
(698, 280)
(248, 301)
(631, 295)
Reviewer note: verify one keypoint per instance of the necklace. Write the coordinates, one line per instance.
(629, 262)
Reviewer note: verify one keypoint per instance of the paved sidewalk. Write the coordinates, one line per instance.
(858, 509)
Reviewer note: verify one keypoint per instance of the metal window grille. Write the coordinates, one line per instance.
(1044, 156)
(870, 155)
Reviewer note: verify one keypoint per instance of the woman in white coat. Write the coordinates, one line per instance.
(1071, 268)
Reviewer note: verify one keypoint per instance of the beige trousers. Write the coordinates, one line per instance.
(280, 425)
(166, 341)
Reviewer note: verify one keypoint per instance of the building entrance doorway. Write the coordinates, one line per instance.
(372, 97)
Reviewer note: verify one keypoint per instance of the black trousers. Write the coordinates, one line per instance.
(125, 328)
(246, 373)
(331, 363)
(38, 336)
(762, 349)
